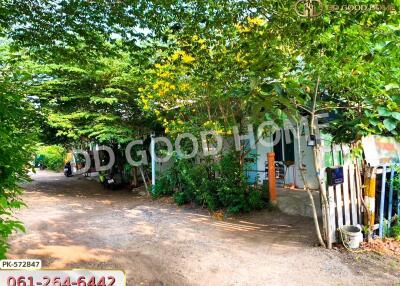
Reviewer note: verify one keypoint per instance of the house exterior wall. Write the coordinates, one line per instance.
(292, 173)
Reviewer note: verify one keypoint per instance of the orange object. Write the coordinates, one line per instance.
(271, 177)
(369, 195)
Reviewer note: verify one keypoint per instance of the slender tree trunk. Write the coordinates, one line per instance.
(316, 155)
(325, 205)
(307, 188)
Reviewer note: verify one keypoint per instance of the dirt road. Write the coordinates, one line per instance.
(75, 223)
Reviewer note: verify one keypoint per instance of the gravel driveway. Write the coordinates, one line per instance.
(75, 223)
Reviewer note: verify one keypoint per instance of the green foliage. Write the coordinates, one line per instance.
(396, 186)
(395, 232)
(96, 100)
(51, 156)
(16, 140)
(396, 179)
(212, 184)
(219, 63)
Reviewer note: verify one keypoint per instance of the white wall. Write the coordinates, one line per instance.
(292, 174)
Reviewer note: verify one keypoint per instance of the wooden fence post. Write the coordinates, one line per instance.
(382, 203)
(271, 178)
(370, 185)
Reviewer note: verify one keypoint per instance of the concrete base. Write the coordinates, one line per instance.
(298, 202)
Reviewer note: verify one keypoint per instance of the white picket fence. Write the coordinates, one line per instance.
(344, 200)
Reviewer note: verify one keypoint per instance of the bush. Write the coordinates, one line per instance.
(214, 185)
(16, 137)
(52, 157)
(395, 232)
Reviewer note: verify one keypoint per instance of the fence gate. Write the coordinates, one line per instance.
(344, 200)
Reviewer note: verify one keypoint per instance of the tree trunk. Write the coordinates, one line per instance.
(307, 188)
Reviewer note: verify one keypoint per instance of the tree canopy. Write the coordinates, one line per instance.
(97, 65)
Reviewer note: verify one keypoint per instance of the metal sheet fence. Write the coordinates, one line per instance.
(389, 173)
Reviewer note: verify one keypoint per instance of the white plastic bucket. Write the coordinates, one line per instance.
(351, 236)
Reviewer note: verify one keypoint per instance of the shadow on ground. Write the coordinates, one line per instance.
(75, 223)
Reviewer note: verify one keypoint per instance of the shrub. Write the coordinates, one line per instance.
(16, 137)
(395, 232)
(214, 185)
(51, 156)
